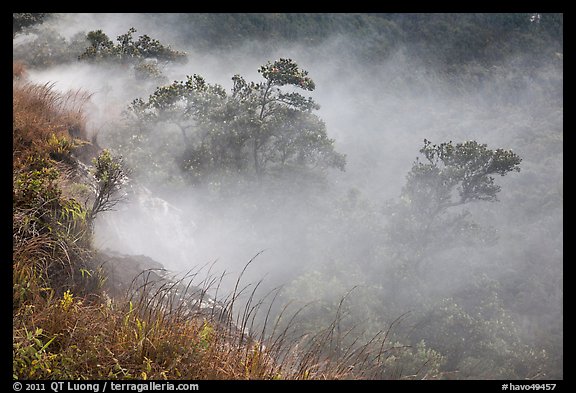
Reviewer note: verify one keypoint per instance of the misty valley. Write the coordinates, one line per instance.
(288, 196)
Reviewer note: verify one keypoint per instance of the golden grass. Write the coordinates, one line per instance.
(119, 339)
(44, 120)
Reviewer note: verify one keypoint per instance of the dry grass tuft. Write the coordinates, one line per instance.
(45, 122)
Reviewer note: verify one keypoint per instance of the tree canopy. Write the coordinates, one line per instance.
(22, 20)
(256, 128)
(456, 174)
(450, 175)
(103, 48)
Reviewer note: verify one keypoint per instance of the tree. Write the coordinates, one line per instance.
(283, 129)
(451, 175)
(109, 177)
(257, 128)
(100, 46)
(455, 175)
(127, 50)
(22, 20)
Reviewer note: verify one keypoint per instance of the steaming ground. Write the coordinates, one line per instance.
(379, 116)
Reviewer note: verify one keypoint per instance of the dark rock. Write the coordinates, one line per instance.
(145, 281)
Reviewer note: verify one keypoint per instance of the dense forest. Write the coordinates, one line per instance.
(288, 196)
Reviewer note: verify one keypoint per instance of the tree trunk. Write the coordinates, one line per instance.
(257, 167)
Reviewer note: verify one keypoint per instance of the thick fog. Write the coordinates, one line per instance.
(378, 115)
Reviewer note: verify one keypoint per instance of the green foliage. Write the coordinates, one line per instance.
(51, 231)
(256, 129)
(100, 45)
(454, 43)
(61, 147)
(50, 48)
(102, 48)
(286, 72)
(426, 218)
(31, 360)
(109, 175)
(450, 42)
(206, 335)
(372, 35)
(465, 167)
(418, 362)
(469, 335)
(51, 237)
(148, 71)
(20, 21)
(146, 55)
(36, 188)
(478, 335)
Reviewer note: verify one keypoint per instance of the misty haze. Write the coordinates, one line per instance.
(383, 191)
